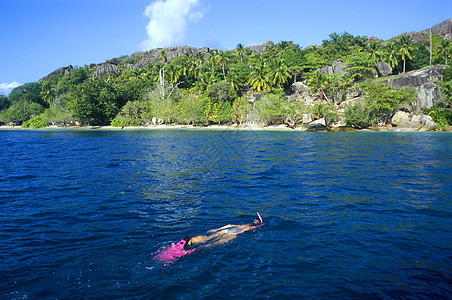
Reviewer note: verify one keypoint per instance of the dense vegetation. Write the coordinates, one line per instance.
(211, 88)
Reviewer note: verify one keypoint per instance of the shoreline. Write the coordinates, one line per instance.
(210, 127)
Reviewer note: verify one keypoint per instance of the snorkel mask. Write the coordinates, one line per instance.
(258, 221)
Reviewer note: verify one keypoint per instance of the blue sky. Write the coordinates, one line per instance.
(39, 36)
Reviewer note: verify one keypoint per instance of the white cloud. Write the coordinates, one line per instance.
(168, 22)
(5, 88)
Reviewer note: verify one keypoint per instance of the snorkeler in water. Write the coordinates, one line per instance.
(225, 234)
(218, 236)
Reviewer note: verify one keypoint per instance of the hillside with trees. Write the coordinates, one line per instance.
(243, 86)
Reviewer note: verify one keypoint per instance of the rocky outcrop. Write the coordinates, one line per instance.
(411, 122)
(423, 81)
(113, 61)
(443, 29)
(383, 69)
(338, 67)
(260, 49)
(297, 89)
(62, 70)
(153, 56)
(105, 69)
(317, 125)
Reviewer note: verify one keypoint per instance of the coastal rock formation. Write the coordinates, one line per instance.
(317, 125)
(62, 70)
(409, 122)
(423, 81)
(105, 69)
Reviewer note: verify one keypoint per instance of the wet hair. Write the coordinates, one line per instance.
(256, 222)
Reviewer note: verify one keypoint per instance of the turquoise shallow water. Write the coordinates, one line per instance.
(348, 215)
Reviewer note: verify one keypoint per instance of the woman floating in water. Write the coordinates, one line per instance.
(225, 234)
(219, 236)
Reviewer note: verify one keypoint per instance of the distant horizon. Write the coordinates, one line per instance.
(81, 32)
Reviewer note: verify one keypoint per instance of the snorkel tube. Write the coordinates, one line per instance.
(260, 219)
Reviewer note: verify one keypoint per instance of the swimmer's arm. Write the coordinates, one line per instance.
(221, 228)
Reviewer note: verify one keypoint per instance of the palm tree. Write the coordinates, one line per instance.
(47, 92)
(174, 72)
(317, 82)
(374, 48)
(443, 50)
(390, 53)
(222, 60)
(283, 46)
(280, 72)
(163, 56)
(240, 52)
(405, 48)
(258, 76)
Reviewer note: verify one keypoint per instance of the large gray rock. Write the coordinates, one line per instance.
(337, 67)
(105, 69)
(113, 61)
(260, 49)
(423, 81)
(62, 70)
(297, 89)
(317, 125)
(408, 122)
(328, 70)
(383, 69)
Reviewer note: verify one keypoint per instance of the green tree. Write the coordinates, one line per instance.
(279, 73)
(4, 103)
(240, 110)
(240, 52)
(94, 102)
(405, 48)
(359, 116)
(391, 53)
(317, 82)
(47, 92)
(270, 109)
(327, 112)
(20, 111)
(443, 50)
(374, 48)
(360, 66)
(222, 60)
(221, 92)
(383, 100)
(258, 77)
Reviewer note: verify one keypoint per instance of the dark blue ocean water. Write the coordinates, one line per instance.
(348, 215)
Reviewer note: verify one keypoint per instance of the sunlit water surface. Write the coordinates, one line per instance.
(347, 215)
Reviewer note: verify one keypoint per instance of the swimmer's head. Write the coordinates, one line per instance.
(256, 222)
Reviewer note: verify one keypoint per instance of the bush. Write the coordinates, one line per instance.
(36, 122)
(20, 112)
(240, 109)
(134, 113)
(359, 116)
(441, 116)
(270, 109)
(383, 100)
(328, 112)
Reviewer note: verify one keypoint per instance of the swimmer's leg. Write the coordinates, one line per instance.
(198, 239)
